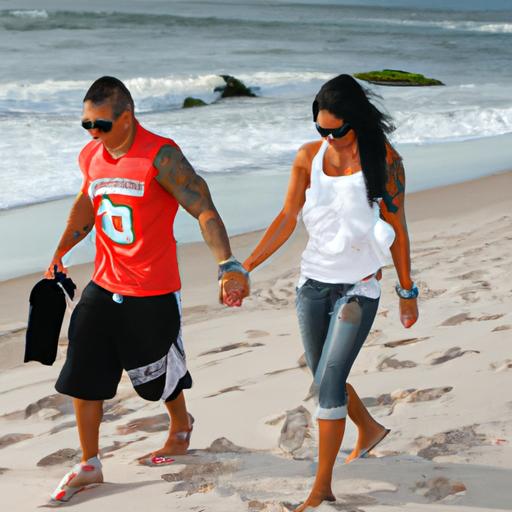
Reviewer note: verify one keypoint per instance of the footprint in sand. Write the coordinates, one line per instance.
(501, 366)
(225, 390)
(62, 426)
(157, 423)
(255, 333)
(470, 296)
(450, 442)
(452, 353)
(457, 319)
(54, 406)
(282, 370)
(117, 445)
(465, 317)
(224, 445)
(406, 395)
(3, 470)
(275, 421)
(394, 364)
(200, 477)
(232, 346)
(427, 292)
(438, 488)
(502, 328)
(63, 456)
(9, 439)
(467, 276)
(406, 341)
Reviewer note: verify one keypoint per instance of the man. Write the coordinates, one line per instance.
(129, 314)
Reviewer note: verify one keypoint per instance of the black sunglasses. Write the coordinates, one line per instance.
(336, 133)
(103, 125)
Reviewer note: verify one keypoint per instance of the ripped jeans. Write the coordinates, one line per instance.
(334, 325)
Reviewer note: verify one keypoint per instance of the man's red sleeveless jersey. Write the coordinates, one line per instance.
(134, 216)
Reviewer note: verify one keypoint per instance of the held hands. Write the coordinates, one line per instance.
(233, 283)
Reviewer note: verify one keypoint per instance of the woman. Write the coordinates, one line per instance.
(350, 187)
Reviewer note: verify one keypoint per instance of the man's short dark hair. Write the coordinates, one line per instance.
(108, 88)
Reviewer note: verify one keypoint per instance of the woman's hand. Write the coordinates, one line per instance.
(408, 312)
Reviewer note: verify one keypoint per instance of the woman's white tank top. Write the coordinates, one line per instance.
(348, 240)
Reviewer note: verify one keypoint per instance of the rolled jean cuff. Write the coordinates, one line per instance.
(331, 413)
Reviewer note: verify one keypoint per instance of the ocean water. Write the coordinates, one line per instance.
(167, 50)
(51, 50)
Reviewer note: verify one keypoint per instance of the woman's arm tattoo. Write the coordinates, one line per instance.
(393, 196)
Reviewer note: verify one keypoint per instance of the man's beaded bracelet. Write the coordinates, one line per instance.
(231, 265)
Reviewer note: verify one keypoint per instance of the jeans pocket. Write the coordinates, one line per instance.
(313, 291)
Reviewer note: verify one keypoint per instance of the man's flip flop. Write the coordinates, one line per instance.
(76, 480)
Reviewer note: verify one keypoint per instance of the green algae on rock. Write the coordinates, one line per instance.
(395, 77)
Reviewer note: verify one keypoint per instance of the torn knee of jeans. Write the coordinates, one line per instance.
(351, 311)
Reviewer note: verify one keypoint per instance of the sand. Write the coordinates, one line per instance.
(442, 387)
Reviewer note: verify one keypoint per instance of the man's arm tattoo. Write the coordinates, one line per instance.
(395, 185)
(177, 176)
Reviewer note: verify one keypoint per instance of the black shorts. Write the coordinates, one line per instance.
(141, 335)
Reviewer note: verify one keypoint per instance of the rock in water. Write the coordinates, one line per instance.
(233, 87)
(190, 102)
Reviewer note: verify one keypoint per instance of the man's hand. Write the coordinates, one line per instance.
(234, 287)
(408, 312)
(56, 265)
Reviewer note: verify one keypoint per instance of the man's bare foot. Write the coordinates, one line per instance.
(367, 441)
(177, 443)
(314, 500)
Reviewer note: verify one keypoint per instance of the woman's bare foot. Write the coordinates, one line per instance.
(367, 441)
(315, 499)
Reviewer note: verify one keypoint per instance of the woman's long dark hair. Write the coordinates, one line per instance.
(343, 97)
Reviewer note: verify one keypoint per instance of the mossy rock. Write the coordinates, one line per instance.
(233, 88)
(190, 102)
(397, 78)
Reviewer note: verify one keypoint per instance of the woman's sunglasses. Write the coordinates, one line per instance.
(336, 133)
(103, 125)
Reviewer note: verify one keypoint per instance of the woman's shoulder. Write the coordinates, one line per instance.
(308, 150)
(392, 154)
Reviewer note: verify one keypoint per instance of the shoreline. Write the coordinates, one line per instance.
(246, 202)
(83, 253)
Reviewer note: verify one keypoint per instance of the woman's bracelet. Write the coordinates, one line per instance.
(407, 294)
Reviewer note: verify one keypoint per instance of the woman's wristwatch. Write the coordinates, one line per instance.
(407, 294)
